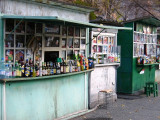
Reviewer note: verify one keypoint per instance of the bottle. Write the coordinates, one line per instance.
(43, 69)
(2, 69)
(79, 66)
(62, 66)
(70, 66)
(40, 69)
(67, 68)
(54, 69)
(34, 72)
(37, 70)
(6, 71)
(27, 69)
(51, 68)
(22, 69)
(48, 69)
(58, 69)
(31, 70)
(10, 69)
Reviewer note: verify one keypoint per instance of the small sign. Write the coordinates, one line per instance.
(159, 66)
(142, 71)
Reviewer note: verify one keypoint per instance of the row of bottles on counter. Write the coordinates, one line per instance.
(28, 69)
(147, 59)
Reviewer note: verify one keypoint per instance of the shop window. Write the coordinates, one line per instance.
(77, 32)
(64, 30)
(19, 55)
(9, 55)
(83, 43)
(9, 40)
(70, 42)
(31, 27)
(83, 32)
(51, 28)
(51, 56)
(63, 54)
(20, 26)
(69, 54)
(52, 41)
(20, 40)
(70, 31)
(64, 42)
(76, 43)
(38, 27)
(9, 25)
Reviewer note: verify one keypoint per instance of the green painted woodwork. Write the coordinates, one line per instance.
(1, 38)
(1, 117)
(46, 99)
(63, 21)
(129, 80)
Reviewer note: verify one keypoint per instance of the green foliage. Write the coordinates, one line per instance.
(83, 3)
(92, 16)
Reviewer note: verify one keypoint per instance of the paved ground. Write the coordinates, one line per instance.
(130, 108)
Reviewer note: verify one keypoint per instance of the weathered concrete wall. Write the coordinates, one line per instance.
(157, 76)
(12, 7)
(102, 78)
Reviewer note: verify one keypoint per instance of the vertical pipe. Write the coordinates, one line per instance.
(4, 101)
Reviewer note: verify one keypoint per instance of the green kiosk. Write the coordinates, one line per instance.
(138, 55)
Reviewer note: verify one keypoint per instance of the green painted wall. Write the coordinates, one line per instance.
(128, 78)
(124, 72)
(1, 102)
(46, 99)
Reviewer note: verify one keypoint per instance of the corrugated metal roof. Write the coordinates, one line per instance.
(146, 20)
(61, 5)
(63, 21)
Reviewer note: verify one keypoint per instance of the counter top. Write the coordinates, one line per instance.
(43, 77)
(108, 64)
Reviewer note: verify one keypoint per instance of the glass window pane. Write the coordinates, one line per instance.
(64, 30)
(64, 42)
(77, 32)
(82, 52)
(94, 48)
(39, 41)
(38, 27)
(52, 41)
(19, 54)
(9, 25)
(99, 39)
(83, 32)
(70, 42)
(105, 40)
(83, 43)
(21, 26)
(51, 28)
(38, 56)
(99, 49)
(20, 41)
(29, 54)
(9, 40)
(70, 31)
(69, 54)
(31, 27)
(9, 55)
(77, 43)
(63, 54)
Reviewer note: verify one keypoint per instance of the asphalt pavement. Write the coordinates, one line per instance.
(127, 108)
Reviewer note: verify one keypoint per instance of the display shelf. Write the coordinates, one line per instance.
(148, 64)
(44, 77)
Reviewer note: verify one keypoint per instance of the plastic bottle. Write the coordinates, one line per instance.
(2, 69)
(6, 71)
(10, 69)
